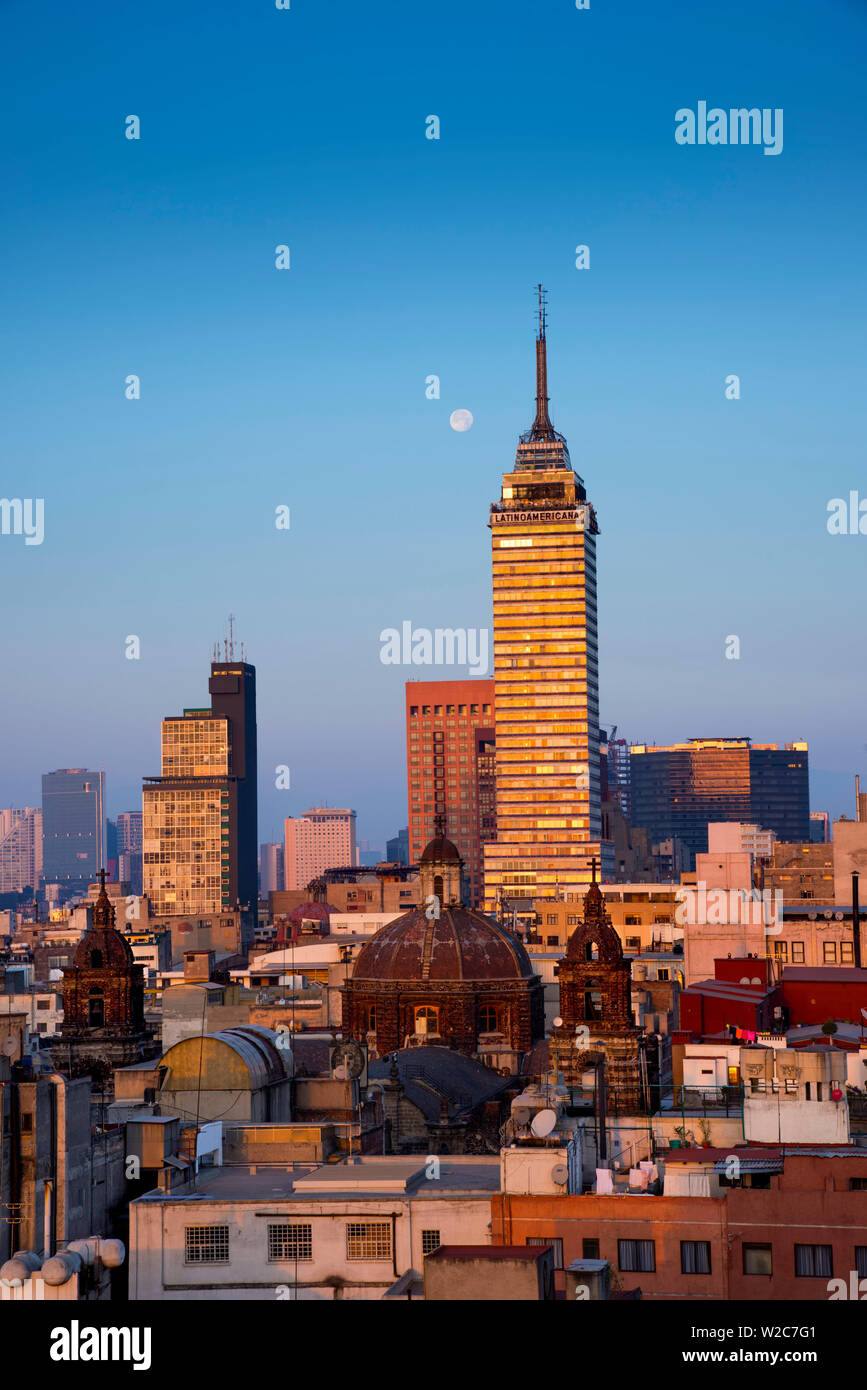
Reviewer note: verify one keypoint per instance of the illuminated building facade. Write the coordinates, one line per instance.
(543, 534)
(678, 790)
(450, 769)
(199, 817)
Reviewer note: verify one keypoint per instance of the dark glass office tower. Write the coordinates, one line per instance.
(73, 828)
(232, 688)
(676, 791)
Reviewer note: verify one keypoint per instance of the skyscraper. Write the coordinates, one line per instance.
(73, 828)
(200, 815)
(129, 838)
(20, 849)
(449, 756)
(270, 869)
(323, 838)
(543, 535)
(678, 790)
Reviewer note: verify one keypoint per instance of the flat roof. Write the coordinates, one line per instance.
(390, 1178)
(487, 1252)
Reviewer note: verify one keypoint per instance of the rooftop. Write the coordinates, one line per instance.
(369, 1176)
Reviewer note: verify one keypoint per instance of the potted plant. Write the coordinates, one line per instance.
(704, 1126)
(686, 1137)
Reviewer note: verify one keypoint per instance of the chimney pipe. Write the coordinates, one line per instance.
(856, 923)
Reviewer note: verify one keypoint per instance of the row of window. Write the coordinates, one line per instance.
(449, 709)
(293, 1241)
(639, 1257)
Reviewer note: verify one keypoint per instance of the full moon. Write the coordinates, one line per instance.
(460, 420)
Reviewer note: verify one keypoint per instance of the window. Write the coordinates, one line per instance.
(662, 974)
(847, 956)
(430, 1241)
(426, 1019)
(636, 1255)
(797, 952)
(206, 1245)
(813, 1262)
(590, 1249)
(695, 1256)
(96, 960)
(43, 1003)
(95, 1009)
(633, 943)
(552, 940)
(858, 1185)
(555, 1243)
(488, 1022)
(291, 1242)
(27, 1122)
(368, 1240)
(861, 1261)
(781, 950)
(829, 952)
(758, 1259)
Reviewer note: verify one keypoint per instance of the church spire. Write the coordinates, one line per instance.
(542, 427)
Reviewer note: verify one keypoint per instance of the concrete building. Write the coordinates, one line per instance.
(200, 815)
(323, 838)
(341, 1231)
(543, 538)
(480, 1273)
(20, 849)
(450, 769)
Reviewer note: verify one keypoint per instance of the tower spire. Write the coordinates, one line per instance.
(542, 427)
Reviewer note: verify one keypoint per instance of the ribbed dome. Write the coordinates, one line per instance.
(458, 945)
(439, 850)
(103, 947)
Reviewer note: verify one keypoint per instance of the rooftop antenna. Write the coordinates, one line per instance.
(542, 427)
(231, 637)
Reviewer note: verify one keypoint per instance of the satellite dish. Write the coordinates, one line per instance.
(9, 1046)
(521, 1116)
(543, 1123)
(560, 1174)
(558, 1023)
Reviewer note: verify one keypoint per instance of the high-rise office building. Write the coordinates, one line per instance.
(270, 869)
(678, 790)
(397, 848)
(449, 760)
(323, 838)
(543, 533)
(73, 828)
(199, 828)
(129, 849)
(20, 849)
(614, 770)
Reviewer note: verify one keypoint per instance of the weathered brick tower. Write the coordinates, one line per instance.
(103, 1002)
(595, 999)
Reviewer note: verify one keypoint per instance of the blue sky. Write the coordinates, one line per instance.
(410, 257)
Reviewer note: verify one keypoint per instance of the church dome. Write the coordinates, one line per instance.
(102, 946)
(460, 945)
(439, 850)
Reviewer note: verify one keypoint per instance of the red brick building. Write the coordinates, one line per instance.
(450, 768)
(795, 1220)
(596, 1000)
(103, 1002)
